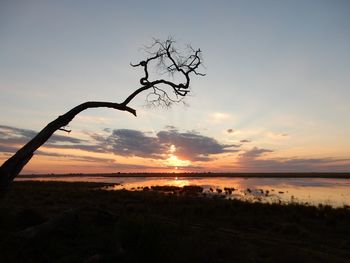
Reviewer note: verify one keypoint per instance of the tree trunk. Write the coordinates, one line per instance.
(161, 51)
(14, 165)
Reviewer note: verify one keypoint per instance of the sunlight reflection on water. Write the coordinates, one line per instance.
(311, 191)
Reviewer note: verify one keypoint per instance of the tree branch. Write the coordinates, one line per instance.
(163, 54)
(169, 61)
(13, 166)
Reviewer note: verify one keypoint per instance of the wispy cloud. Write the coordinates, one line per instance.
(257, 160)
(219, 117)
(278, 136)
(254, 153)
(7, 149)
(93, 119)
(20, 136)
(77, 157)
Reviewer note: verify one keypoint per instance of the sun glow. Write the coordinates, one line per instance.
(172, 149)
(174, 161)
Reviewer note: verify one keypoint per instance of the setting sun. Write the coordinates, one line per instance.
(174, 161)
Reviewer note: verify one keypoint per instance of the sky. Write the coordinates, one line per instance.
(275, 97)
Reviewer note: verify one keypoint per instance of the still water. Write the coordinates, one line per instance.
(309, 191)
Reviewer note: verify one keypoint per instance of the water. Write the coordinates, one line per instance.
(309, 191)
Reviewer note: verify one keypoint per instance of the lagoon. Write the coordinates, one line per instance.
(334, 192)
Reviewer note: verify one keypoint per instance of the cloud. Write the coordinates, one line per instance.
(170, 127)
(7, 149)
(254, 153)
(147, 168)
(245, 141)
(21, 136)
(136, 167)
(251, 161)
(76, 157)
(97, 148)
(13, 138)
(135, 143)
(9, 131)
(189, 145)
(278, 136)
(193, 146)
(59, 138)
(106, 163)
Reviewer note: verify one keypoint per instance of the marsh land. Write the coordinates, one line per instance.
(276, 188)
(81, 222)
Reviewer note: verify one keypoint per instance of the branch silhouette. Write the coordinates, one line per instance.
(167, 59)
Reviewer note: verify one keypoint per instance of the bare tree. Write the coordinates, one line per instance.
(163, 56)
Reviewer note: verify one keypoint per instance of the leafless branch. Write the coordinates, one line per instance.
(168, 60)
(65, 130)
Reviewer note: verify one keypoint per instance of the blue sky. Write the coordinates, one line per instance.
(278, 74)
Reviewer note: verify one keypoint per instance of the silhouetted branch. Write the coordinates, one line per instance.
(65, 130)
(168, 60)
(163, 54)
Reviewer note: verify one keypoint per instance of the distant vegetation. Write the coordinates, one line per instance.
(201, 174)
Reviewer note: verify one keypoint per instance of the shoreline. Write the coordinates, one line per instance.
(345, 175)
(251, 194)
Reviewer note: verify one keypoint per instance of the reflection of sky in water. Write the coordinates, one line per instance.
(335, 192)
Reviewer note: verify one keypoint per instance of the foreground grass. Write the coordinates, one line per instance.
(74, 222)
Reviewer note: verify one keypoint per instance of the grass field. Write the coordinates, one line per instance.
(77, 222)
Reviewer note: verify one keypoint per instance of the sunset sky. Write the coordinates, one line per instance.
(276, 95)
